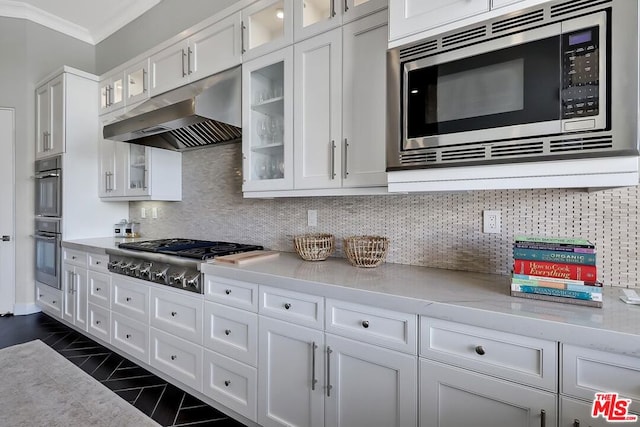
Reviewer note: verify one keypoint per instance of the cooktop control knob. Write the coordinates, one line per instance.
(160, 275)
(145, 270)
(193, 282)
(177, 278)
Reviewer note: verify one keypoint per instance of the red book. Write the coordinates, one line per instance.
(583, 272)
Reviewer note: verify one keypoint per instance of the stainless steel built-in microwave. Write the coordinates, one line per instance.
(555, 81)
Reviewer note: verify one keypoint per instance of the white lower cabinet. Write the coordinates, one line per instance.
(177, 313)
(49, 299)
(455, 397)
(130, 298)
(232, 383)
(369, 385)
(99, 322)
(232, 332)
(291, 380)
(130, 336)
(176, 357)
(74, 295)
(99, 289)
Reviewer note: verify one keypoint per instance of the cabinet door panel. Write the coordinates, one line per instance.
(215, 48)
(318, 101)
(80, 299)
(286, 370)
(58, 117)
(42, 119)
(364, 102)
(168, 68)
(371, 386)
(453, 397)
(576, 413)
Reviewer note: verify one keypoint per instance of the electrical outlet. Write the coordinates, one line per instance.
(143, 213)
(491, 221)
(154, 213)
(312, 218)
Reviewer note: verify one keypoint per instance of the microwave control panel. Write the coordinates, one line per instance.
(580, 73)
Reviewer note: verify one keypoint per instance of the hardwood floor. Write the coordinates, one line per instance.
(165, 403)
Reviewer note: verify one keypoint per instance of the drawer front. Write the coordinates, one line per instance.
(176, 357)
(577, 413)
(231, 292)
(99, 322)
(98, 262)
(77, 258)
(231, 383)
(513, 357)
(231, 332)
(586, 372)
(295, 307)
(391, 329)
(99, 289)
(177, 314)
(130, 336)
(130, 299)
(49, 299)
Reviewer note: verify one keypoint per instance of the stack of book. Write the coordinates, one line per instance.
(556, 269)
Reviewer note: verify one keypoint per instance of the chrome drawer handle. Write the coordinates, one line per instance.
(227, 383)
(128, 299)
(365, 324)
(480, 350)
(227, 291)
(227, 331)
(174, 357)
(97, 289)
(543, 418)
(287, 306)
(576, 423)
(128, 336)
(97, 322)
(174, 313)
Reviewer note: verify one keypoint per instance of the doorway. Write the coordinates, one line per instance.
(7, 211)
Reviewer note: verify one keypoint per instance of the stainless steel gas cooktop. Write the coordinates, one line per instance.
(171, 262)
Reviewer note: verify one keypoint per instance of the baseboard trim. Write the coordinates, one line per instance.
(22, 309)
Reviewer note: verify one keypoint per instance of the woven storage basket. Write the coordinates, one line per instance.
(314, 247)
(366, 251)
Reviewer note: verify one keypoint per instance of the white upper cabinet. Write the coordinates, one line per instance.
(112, 94)
(267, 25)
(50, 118)
(136, 79)
(407, 17)
(207, 52)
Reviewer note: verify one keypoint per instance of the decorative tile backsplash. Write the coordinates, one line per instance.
(442, 230)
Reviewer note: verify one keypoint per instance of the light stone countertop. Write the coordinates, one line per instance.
(466, 297)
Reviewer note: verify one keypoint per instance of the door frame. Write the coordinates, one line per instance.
(7, 211)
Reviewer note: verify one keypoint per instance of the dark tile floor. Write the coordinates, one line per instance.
(165, 403)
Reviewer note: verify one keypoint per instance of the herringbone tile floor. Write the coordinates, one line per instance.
(164, 402)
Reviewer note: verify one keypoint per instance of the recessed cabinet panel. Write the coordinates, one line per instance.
(178, 314)
(99, 289)
(130, 336)
(169, 68)
(49, 299)
(179, 358)
(130, 298)
(99, 322)
(231, 292)
(137, 82)
(303, 309)
(267, 26)
(231, 332)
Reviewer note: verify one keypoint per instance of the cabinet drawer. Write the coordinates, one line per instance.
(99, 289)
(77, 258)
(177, 357)
(231, 383)
(49, 299)
(177, 314)
(386, 328)
(130, 299)
(130, 336)
(98, 262)
(231, 332)
(586, 371)
(522, 359)
(577, 413)
(231, 292)
(99, 322)
(302, 309)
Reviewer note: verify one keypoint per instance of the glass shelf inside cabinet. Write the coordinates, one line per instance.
(137, 166)
(135, 82)
(267, 134)
(266, 25)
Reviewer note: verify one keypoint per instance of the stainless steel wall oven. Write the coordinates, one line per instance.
(48, 250)
(48, 177)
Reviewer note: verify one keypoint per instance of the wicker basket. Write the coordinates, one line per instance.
(366, 251)
(314, 247)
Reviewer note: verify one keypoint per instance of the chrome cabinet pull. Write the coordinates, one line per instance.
(174, 314)
(189, 52)
(97, 322)
(227, 291)
(480, 350)
(314, 347)
(174, 357)
(127, 299)
(543, 418)
(128, 336)
(184, 74)
(333, 8)
(345, 172)
(333, 159)
(227, 332)
(227, 383)
(576, 423)
(329, 386)
(145, 179)
(287, 306)
(365, 324)
(242, 28)
(346, 6)
(144, 80)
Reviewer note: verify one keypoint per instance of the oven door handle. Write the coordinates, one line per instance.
(48, 175)
(43, 237)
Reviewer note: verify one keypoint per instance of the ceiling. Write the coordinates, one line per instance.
(88, 20)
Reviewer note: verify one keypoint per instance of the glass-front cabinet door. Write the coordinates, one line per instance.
(354, 9)
(267, 25)
(112, 93)
(137, 82)
(137, 172)
(267, 122)
(315, 16)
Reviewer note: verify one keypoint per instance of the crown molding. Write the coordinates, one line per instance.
(120, 18)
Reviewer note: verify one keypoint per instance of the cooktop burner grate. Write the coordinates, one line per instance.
(189, 248)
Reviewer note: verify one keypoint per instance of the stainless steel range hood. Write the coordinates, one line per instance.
(199, 114)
